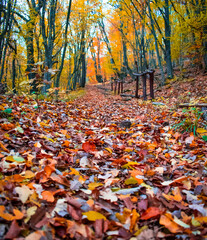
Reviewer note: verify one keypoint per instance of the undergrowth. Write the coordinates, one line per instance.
(189, 121)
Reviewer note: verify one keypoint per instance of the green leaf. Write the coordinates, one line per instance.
(19, 129)
(8, 110)
(15, 159)
(205, 138)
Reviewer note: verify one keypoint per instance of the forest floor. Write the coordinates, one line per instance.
(101, 167)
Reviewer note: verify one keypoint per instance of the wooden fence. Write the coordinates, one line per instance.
(118, 85)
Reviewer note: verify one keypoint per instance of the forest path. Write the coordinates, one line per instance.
(99, 168)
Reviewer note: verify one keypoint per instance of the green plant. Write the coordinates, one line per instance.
(188, 121)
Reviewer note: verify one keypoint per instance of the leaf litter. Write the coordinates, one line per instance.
(72, 170)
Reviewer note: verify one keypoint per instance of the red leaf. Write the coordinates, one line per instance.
(89, 147)
(14, 231)
(150, 213)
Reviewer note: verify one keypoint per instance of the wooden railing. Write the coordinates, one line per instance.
(118, 85)
(144, 83)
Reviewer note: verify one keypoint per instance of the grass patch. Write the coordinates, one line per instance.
(71, 96)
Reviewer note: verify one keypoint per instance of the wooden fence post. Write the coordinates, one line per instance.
(112, 85)
(144, 80)
(122, 86)
(115, 87)
(137, 87)
(118, 87)
(151, 73)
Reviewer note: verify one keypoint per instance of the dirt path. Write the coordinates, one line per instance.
(99, 168)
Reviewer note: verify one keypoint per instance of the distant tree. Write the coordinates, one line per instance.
(6, 22)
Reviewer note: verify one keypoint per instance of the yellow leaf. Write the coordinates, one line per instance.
(130, 180)
(29, 174)
(74, 171)
(128, 149)
(93, 215)
(123, 217)
(129, 164)
(30, 212)
(201, 219)
(34, 199)
(202, 131)
(109, 150)
(92, 186)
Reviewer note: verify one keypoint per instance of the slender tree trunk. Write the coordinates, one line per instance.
(106, 40)
(204, 10)
(83, 60)
(144, 60)
(30, 57)
(14, 75)
(167, 41)
(94, 61)
(3, 60)
(48, 40)
(65, 47)
(156, 45)
(98, 57)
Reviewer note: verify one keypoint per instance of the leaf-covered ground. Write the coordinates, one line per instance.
(100, 168)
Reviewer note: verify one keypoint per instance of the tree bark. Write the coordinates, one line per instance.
(167, 40)
(83, 60)
(156, 45)
(65, 47)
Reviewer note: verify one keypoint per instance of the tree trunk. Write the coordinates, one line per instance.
(48, 40)
(14, 67)
(106, 40)
(83, 60)
(204, 10)
(156, 45)
(65, 47)
(167, 41)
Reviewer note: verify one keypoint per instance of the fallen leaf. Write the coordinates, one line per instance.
(92, 186)
(93, 215)
(9, 217)
(14, 231)
(169, 224)
(24, 193)
(107, 194)
(151, 212)
(89, 147)
(30, 212)
(48, 196)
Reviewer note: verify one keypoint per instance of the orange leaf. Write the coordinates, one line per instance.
(64, 132)
(48, 170)
(177, 194)
(9, 217)
(48, 196)
(134, 173)
(66, 143)
(169, 224)
(134, 218)
(150, 213)
(89, 147)
(176, 135)
(4, 148)
(7, 126)
(18, 214)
